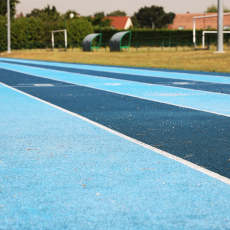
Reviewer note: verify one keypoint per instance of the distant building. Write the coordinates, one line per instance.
(185, 22)
(21, 15)
(120, 22)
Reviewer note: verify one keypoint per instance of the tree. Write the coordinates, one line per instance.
(34, 13)
(36, 30)
(135, 22)
(3, 34)
(52, 11)
(100, 20)
(117, 13)
(226, 9)
(100, 14)
(214, 9)
(69, 12)
(148, 15)
(46, 14)
(78, 29)
(3, 7)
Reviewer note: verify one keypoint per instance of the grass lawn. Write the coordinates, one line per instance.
(166, 59)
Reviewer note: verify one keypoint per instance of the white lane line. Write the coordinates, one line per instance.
(182, 106)
(161, 152)
(33, 86)
(41, 85)
(166, 86)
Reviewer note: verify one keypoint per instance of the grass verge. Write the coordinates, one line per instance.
(166, 59)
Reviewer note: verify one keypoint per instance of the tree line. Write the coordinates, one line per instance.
(143, 18)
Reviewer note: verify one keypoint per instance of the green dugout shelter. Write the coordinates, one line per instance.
(115, 42)
(88, 42)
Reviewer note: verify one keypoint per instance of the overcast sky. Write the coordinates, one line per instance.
(89, 7)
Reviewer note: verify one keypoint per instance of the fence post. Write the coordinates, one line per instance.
(176, 44)
(162, 44)
(228, 41)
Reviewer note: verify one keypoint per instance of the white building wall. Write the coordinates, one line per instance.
(128, 24)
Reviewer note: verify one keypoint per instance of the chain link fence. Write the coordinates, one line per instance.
(150, 44)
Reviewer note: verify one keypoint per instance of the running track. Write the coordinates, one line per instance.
(101, 147)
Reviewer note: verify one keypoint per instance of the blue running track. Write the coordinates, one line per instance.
(100, 147)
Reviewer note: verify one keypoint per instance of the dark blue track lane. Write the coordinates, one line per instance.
(199, 137)
(197, 85)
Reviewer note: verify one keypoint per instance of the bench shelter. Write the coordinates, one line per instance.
(87, 44)
(115, 42)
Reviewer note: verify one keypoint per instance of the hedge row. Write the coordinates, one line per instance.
(33, 30)
(3, 35)
(141, 36)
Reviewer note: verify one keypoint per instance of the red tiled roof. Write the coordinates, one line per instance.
(186, 21)
(118, 22)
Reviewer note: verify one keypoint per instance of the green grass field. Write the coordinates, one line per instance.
(182, 59)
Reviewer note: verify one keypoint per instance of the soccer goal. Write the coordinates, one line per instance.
(65, 37)
(210, 32)
(194, 24)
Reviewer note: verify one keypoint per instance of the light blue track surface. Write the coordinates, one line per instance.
(206, 101)
(60, 172)
(182, 76)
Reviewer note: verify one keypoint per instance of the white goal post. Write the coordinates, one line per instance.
(210, 32)
(65, 37)
(194, 24)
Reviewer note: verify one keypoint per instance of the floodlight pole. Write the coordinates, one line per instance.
(52, 39)
(136, 29)
(194, 32)
(8, 27)
(220, 37)
(65, 36)
(27, 32)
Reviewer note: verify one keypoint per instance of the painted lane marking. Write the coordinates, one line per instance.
(166, 154)
(182, 76)
(196, 100)
(41, 85)
(183, 83)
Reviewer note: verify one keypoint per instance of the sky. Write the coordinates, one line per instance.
(89, 7)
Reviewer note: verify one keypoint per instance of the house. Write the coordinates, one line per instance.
(21, 15)
(185, 22)
(120, 22)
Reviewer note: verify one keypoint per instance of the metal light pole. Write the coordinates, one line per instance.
(220, 37)
(65, 21)
(27, 32)
(136, 29)
(8, 26)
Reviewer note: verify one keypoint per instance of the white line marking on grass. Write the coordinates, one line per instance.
(226, 115)
(161, 152)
